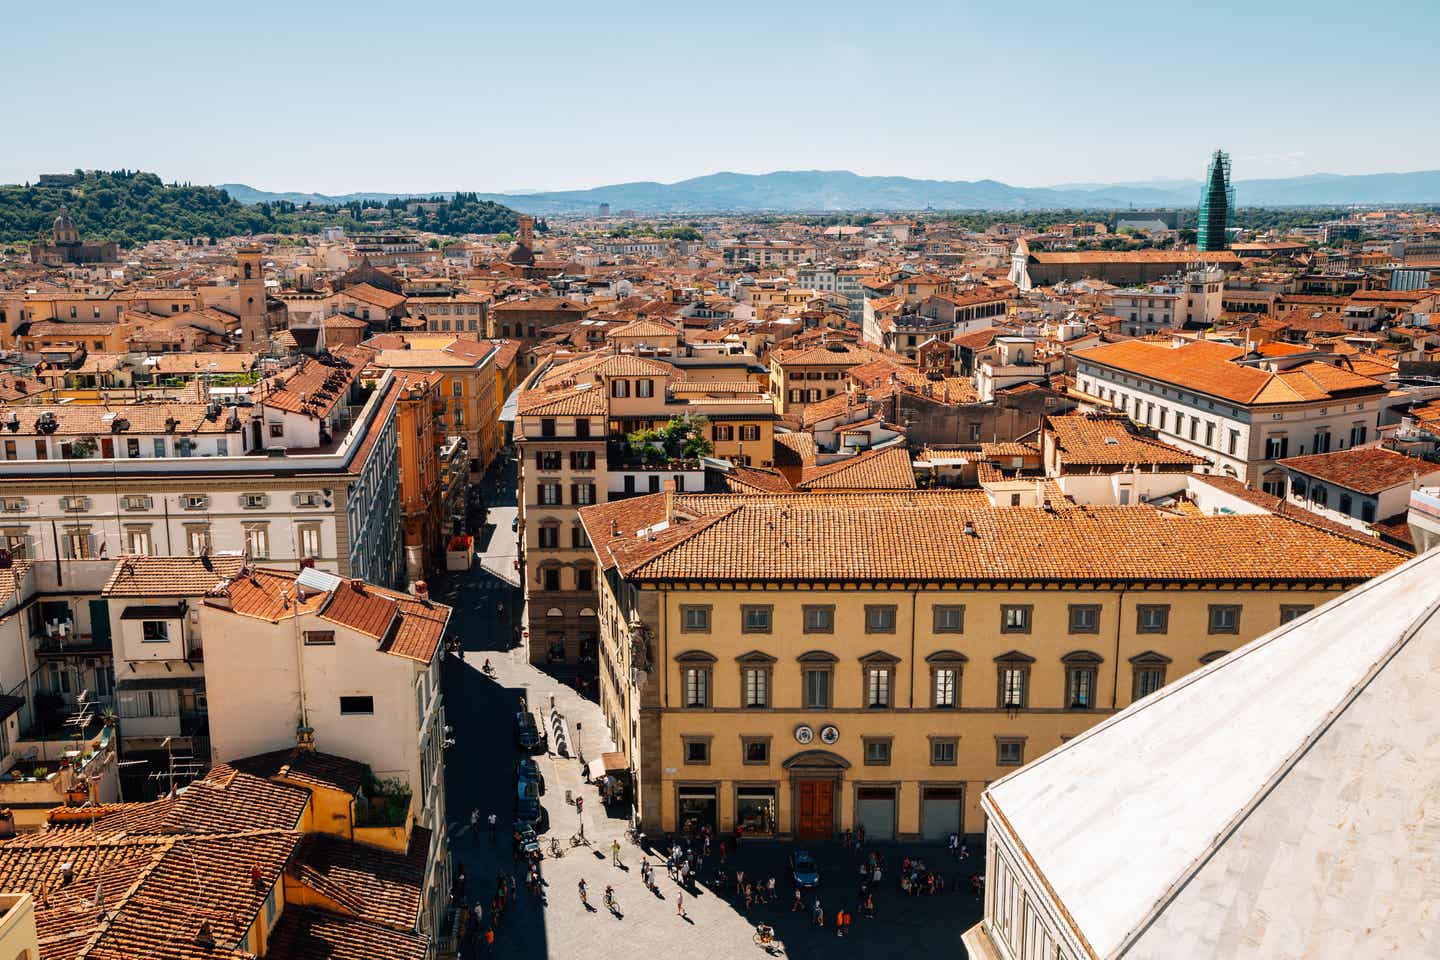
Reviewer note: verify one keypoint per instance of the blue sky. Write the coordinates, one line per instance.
(363, 95)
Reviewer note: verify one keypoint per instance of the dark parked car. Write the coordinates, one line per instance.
(529, 843)
(528, 771)
(804, 872)
(529, 811)
(528, 736)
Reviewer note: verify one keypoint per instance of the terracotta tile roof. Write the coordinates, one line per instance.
(1133, 256)
(305, 933)
(1008, 450)
(201, 363)
(146, 576)
(915, 536)
(794, 449)
(1289, 510)
(308, 768)
(373, 295)
(556, 304)
(379, 885)
(96, 419)
(1207, 367)
(756, 480)
(887, 469)
(1362, 469)
(834, 353)
(645, 327)
(405, 626)
(311, 387)
(1109, 441)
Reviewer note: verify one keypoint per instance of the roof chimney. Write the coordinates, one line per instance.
(204, 936)
(670, 500)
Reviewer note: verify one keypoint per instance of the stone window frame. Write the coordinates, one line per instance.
(747, 608)
(747, 740)
(946, 660)
(1075, 608)
(805, 610)
(867, 742)
(820, 661)
(757, 660)
(935, 613)
(953, 742)
(1076, 662)
(874, 662)
(1290, 612)
(1149, 661)
(1013, 660)
(688, 608)
(880, 609)
(1028, 609)
(1212, 609)
(688, 740)
(1009, 740)
(704, 664)
(1140, 611)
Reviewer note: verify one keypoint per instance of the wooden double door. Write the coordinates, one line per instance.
(815, 813)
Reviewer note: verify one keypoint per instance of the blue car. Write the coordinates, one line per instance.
(804, 872)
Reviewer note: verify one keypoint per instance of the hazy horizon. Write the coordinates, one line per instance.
(314, 98)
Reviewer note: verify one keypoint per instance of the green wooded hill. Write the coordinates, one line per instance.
(131, 207)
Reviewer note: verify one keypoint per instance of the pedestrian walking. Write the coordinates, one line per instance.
(818, 913)
(615, 852)
(479, 914)
(680, 905)
(840, 922)
(493, 821)
(475, 821)
(797, 904)
(581, 887)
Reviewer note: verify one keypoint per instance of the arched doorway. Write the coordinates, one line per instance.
(815, 777)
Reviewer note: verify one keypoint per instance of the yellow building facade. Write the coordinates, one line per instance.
(831, 679)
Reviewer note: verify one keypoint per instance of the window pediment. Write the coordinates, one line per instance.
(818, 656)
(947, 656)
(695, 656)
(1082, 657)
(755, 656)
(1014, 656)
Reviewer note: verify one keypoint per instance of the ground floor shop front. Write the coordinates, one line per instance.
(819, 801)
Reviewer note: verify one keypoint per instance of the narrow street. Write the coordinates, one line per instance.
(481, 777)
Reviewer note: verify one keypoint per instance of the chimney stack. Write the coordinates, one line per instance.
(670, 500)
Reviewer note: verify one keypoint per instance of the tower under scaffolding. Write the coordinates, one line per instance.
(1217, 205)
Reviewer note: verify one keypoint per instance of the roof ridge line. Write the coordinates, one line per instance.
(1283, 769)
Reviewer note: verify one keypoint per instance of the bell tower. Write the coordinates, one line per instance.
(250, 305)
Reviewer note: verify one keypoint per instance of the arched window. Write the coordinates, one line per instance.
(249, 272)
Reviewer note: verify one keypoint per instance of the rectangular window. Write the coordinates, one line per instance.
(582, 430)
(309, 542)
(155, 631)
(817, 687)
(1080, 688)
(1009, 752)
(1224, 618)
(319, 638)
(1152, 618)
(697, 749)
(1147, 681)
(549, 536)
(724, 433)
(945, 687)
(1015, 618)
(694, 619)
(943, 750)
(877, 687)
(949, 619)
(137, 540)
(819, 619)
(756, 681)
(755, 618)
(549, 494)
(879, 619)
(877, 751)
(644, 388)
(1294, 611)
(354, 706)
(697, 687)
(547, 427)
(584, 493)
(757, 749)
(620, 388)
(257, 542)
(584, 579)
(1014, 686)
(1084, 618)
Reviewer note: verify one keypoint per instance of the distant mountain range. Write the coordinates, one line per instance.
(811, 191)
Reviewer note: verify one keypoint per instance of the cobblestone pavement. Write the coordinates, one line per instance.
(480, 771)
